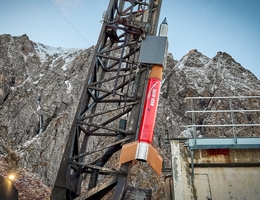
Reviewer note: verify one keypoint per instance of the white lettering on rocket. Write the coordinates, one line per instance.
(153, 97)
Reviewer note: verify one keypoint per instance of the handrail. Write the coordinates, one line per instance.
(231, 111)
(216, 143)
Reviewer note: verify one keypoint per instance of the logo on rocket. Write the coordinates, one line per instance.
(152, 94)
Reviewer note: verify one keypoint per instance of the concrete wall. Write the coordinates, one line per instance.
(217, 176)
(222, 183)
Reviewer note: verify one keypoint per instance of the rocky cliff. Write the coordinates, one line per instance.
(39, 91)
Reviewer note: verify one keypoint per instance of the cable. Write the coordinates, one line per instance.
(69, 23)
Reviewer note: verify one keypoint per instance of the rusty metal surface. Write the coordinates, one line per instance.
(232, 156)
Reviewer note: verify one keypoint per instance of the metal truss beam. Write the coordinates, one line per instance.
(112, 96)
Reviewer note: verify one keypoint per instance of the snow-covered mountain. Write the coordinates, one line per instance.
(39, 91)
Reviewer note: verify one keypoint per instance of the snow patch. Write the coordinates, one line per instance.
(36, 82)
(69, 87)
(187, 133)
(44, 52)
(32, 141)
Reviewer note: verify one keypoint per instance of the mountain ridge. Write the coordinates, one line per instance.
(40, 87)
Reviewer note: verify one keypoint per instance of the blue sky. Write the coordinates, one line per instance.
(231, 26)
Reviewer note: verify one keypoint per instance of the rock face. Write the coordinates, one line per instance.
(196, 75)
(39, 91)
(40, 87)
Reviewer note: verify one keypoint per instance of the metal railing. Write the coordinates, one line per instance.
(220, 143)
(232, 112)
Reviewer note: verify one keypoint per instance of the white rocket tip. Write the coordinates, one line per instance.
(163, 31)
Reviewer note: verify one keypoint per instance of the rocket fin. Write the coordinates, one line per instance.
(155, 160)
(128, 152)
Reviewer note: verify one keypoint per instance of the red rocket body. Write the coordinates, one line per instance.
(142, 148)
(147, 125)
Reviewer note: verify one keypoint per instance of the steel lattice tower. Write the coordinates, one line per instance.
(109, 108)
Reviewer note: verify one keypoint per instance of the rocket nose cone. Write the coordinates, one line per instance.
(163, 31)
(164, 21)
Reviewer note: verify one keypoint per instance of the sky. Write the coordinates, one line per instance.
(231, 26)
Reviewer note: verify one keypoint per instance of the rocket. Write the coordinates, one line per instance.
(142, 149)
(163, 31)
